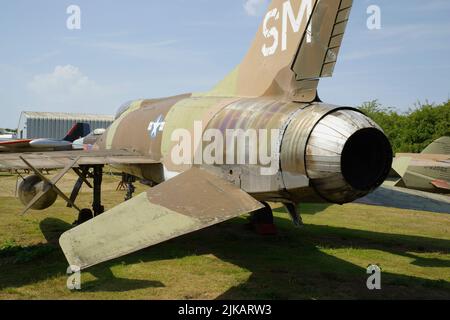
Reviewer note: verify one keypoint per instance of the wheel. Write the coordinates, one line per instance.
(263, 216)
(84, 216)
(262, 221)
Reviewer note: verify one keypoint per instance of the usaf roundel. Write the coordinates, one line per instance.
(155, 127)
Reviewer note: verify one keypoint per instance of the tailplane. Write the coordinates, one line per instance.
(297, 44)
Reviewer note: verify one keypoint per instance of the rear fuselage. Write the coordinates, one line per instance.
(274, 150)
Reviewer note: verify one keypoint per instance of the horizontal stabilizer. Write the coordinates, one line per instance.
(194, 200)
(393, 197)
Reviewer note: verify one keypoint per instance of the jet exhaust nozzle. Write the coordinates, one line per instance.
(347, 156)
(344, 153)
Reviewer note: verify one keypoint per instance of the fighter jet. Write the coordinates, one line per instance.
(428, 171)
(262, 134)
(43, 144)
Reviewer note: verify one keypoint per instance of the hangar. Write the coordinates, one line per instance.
(54, 125)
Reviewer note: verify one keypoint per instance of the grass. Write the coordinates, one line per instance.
(327, 258)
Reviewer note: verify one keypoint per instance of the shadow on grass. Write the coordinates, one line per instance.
(26, 265)
(288, 266)
(107, 282)
(312, 208)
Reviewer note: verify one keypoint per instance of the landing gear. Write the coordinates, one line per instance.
(295, 215)
(97, 199)
(128, 181)
(262, 221)
(83, 216)
(96, 173)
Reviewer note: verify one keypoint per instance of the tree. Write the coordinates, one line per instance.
(414, 130)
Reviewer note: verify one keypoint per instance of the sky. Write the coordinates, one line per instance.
(146, 49)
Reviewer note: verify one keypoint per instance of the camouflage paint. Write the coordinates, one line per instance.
(156, 216)
(274, 87)
(111, 132)
(425, 171)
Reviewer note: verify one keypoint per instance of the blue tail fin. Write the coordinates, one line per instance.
(79, 130)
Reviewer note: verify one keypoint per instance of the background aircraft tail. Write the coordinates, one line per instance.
(297, 44)
(79, 130)
(440, 146)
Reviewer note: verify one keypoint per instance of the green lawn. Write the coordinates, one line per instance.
(325, 259)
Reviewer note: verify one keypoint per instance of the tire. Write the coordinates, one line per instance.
(84, 216)
(263, 216)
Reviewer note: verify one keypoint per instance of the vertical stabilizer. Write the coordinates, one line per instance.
(297, 43)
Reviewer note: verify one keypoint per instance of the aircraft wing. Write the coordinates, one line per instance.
(394, 197)
(194, 200)
(60, 159)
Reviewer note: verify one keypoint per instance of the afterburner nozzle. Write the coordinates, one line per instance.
(344, 153)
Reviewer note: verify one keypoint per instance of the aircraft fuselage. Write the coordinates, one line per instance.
(271, 149)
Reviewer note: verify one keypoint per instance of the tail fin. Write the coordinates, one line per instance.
(79, 130)
(297, 44)
(440, 146)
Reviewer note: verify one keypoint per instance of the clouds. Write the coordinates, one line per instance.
(120, 54)
(156, 51)
(44, 57)
(67, 88)
(65, 82)
(255, 7)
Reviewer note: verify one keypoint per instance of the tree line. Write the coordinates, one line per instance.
(7, 130)
(414, 130)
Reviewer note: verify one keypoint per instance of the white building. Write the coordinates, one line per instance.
(55, 125)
